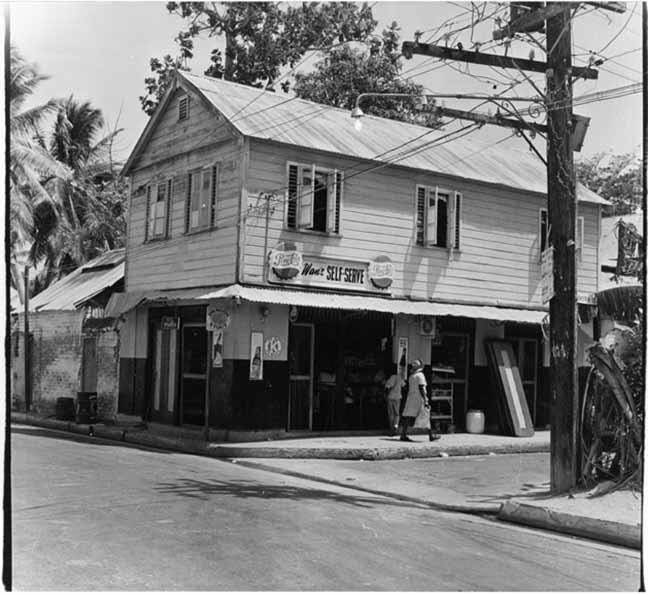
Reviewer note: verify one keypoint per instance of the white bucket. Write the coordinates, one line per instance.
(475, 421)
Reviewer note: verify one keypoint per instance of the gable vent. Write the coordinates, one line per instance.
(183, 108)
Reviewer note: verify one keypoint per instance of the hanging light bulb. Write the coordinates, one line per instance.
(357, 124)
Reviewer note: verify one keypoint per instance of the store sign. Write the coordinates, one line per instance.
(168, 323)
(294, 268)
(381, 272)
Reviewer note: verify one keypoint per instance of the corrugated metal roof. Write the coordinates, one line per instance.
(82, 284)
(285, 119)
(374, 304)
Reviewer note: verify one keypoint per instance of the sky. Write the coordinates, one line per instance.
(100, 51)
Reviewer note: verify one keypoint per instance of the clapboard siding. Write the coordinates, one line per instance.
(499, 259)
(182, 260)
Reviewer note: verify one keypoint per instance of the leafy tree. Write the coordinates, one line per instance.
(31, 166)
(260, 39)
(89, 216)
(346, 72)
(616, 178)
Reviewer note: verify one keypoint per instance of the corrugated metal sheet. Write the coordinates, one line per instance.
(123, 302)
(81, 285)
(281, 118)
(374, 304)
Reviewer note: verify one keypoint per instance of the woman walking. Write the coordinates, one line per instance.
(417, 399)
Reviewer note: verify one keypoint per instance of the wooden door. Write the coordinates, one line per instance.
(194, 373)
(165, 380)
(300, 392)
(89, 365)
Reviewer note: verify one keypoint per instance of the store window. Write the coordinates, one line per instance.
(158, 198)
(438, 217)
(314, 197)
(202, 197)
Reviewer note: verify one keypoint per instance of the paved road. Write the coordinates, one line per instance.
(93, 515)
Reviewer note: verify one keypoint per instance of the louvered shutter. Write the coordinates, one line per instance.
(431, 215)
(214, 197)
(420, 215)
(331, 202)
(306, 198)
(338, 199)
(293, 189)
(457, 220)
(169, 213)
(450, 221)
(148, 225)
(188, 203)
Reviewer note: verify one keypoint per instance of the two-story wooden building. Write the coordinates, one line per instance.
(280, 262)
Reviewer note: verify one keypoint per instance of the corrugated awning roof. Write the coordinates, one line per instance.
(286, 119)
(82, 284)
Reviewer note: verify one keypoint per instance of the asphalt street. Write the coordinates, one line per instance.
(95, 515)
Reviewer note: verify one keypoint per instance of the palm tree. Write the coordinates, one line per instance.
(85, 224)
(30, 165)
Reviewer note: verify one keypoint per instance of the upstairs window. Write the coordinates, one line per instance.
(314, 197)
(201, 199)
(158, 197)
(183, 108)
(543, 230)
(438, 217)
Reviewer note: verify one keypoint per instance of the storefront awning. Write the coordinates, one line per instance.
(123, 302)
(375, 304)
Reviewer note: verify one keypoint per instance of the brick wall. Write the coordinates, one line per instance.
(107, 374)
(56, 359)
(57, 356)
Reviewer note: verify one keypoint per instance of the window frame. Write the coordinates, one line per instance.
(337, 193)
(454, 208)
(153, 189)
(212, 170)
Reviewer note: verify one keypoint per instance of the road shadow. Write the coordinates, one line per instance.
(203, 490)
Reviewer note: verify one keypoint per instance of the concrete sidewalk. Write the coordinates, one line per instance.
(458, 473)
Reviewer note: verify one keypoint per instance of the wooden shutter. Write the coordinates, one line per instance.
(420, 215)
(331, 201)
(542, 230)
(188, 203)
(338, 199)
(167, 229)
(431, 216)
(147, 217)
(580, 236)
(457, 221)
(306, 204)
(214, 197)
(293, 189)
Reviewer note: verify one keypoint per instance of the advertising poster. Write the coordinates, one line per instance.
(402, 356)
(217, 348)
(256, 356)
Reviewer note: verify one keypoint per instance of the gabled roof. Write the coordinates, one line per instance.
(285, 119)
(83, 284)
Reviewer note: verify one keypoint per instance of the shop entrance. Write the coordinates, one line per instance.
(164, 374)
(300, 387)
(454, 351)
(193, 382)
(338, 361)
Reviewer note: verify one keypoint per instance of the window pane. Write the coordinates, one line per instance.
(194, 221)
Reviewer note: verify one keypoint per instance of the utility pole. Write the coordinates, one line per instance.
(561, 193)
(27, 345)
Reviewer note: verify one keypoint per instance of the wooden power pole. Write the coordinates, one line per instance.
(561, 193)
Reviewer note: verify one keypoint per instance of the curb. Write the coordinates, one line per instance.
(465, 508)
(368, 454)
(601, 530)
